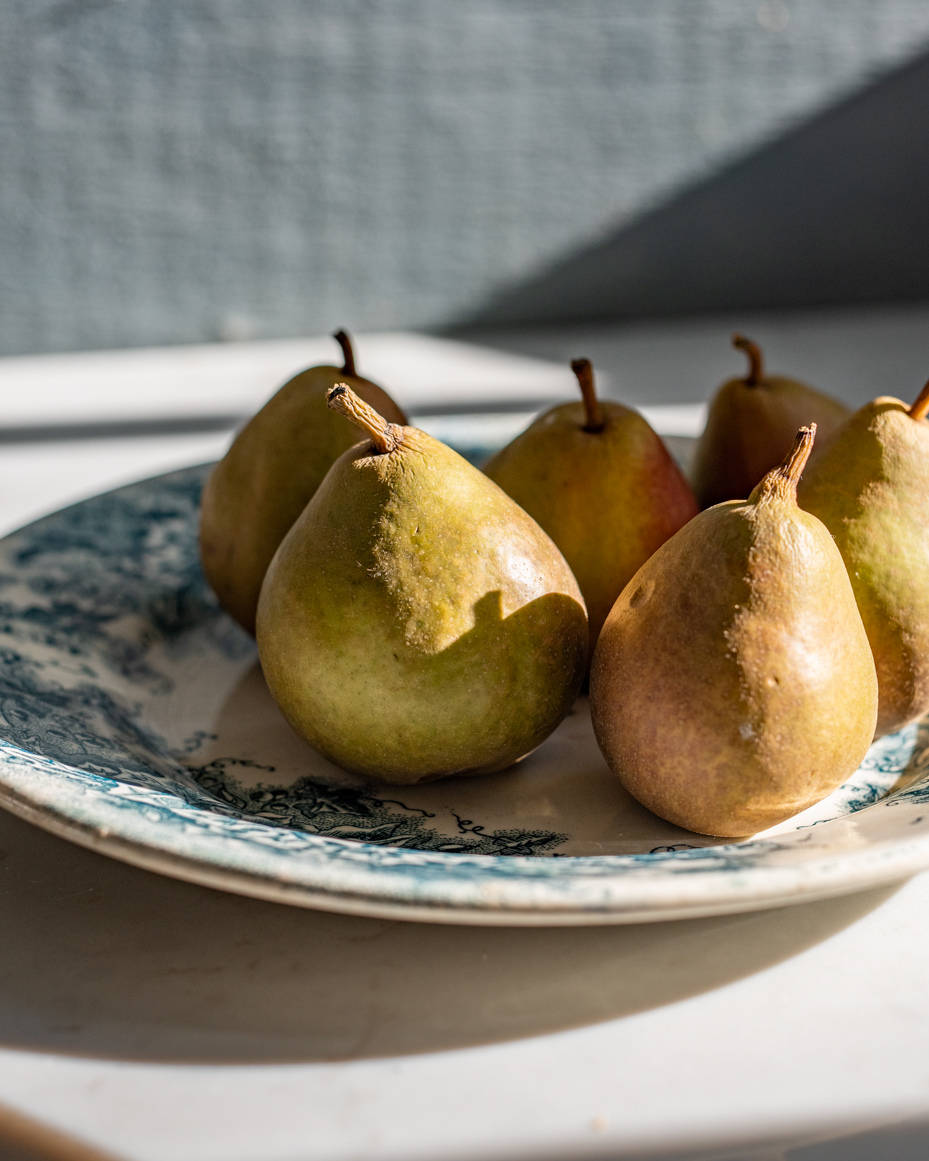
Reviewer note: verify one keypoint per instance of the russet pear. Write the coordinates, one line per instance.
(733, 685)
(602, 484)
(269, 474)
(415, 622)
(751, 426)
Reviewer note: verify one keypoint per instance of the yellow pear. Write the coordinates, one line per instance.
(270, 473)
(869, 487)
(415, 622)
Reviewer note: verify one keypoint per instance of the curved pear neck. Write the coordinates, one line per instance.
(920, 408)
(755, 360)
(781, 483)
(385, 436)
(583, 369)
(348, 353)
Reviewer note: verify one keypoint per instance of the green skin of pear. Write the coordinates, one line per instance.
(268, 476)
(869, 486)
(607, 498)
(750, 429)
(733, 685)
(415, 623)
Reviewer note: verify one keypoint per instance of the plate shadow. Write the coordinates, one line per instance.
(102, 959)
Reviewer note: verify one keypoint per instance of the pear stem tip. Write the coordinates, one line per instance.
(920, 407)
(782, 481)
(385, 436)
(755, 360)
(583, 369)
(793, 466)
(348, 354)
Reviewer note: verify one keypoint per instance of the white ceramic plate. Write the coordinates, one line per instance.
(134, 720)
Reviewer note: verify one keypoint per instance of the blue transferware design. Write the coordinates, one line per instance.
(357, 814)
(114, 657)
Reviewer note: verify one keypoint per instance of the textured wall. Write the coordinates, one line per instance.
(180, 171)
(833, 212)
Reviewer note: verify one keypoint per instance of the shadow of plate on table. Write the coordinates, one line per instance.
(103, 959)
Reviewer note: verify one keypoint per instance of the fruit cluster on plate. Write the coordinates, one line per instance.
(418, 618)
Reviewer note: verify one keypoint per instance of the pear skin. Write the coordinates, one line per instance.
(268, 476)
(733, 685)
(601, 483)
(869, 486)
(751, 426)
(415, 622)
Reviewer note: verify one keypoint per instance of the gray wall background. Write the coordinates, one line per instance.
(200, 169)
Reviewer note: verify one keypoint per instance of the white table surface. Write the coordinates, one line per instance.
(233, 379)
(152, 1020)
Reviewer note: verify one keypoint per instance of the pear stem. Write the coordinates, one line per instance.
(755, 361)
(348, 355)
(920, 408)
(782, 482)
(584, 371)
(385, 436)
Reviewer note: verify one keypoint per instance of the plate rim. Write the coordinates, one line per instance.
(768, 888)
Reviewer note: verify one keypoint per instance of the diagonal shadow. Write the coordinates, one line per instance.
(833, 212)
(102, 959)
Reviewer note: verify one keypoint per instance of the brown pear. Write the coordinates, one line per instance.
(751, 426)
(270, 474)
(601, 483)
(869, 486)
(733, 685)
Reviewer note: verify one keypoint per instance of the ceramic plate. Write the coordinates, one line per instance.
(135, 720)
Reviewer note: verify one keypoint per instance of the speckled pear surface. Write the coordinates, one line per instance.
(415, 622)
(275, 464)
(751, 426)
(607, 497)
(870, 487)
(733, 685)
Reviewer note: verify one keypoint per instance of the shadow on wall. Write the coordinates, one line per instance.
(834, 212)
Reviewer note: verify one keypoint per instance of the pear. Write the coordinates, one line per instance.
(601, 483)
(751, 426)
(268, 475)
(415, 622)
(733, 685)
(869, 487)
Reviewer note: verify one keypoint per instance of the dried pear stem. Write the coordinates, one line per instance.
(385, 436)
(755, 361)
(585, 377)
(348, 355)
(782, 482)
(920, 408)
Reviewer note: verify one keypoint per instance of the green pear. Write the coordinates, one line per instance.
(869, 487)
(268, 476)
(751, 426)
(733, 685)
(415, 622)
(601, 483)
